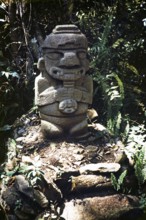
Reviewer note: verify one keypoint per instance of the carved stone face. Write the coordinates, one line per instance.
(65, 56)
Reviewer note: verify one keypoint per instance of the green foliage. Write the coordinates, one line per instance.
(35, 176)
(5, 128)
(109, 82)
(118, 183)
(136, 152)
(30, 168)
(9, 102)
(140, 166)
(135, 141)
(32, 171)
(114, 53)
(143, 202)
(18, 204)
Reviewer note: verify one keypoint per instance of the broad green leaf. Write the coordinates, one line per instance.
(114, 181)
(122, 177)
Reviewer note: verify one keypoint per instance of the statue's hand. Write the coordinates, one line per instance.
(77, 95)
(68, 93)
(47, 97)
(61, 94)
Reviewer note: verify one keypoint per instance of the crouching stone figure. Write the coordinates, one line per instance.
(62, 90)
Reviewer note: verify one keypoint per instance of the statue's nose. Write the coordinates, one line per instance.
(69, 59)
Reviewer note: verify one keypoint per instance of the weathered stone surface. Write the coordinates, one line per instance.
(89, 182)
(20, 200)
(41, 198)
(51, 191)
(113, 207)
(2, 213)
(62, 90)
(22, 185)
(100, 167)
(26, 201)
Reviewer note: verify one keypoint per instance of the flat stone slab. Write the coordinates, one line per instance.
(88, 182)
(100, 167)
(113, 207)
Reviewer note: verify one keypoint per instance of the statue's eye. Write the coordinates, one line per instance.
(54, 55)
(82, 54)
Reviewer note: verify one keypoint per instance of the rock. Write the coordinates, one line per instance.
(120, 156)
(24, 215)
(78, 150)
(23, 186)
(45, 215)
(79, 157)
(19, 197)
(100, 167)
(27, 209)
(26, 159)
(19, 139)
(27, 121)
(92, 115)
(113, 207)
(2, 213)
(68, 174)
(51, 191)
(99, 127)
(19, 146)
(49, 216)
(91, 148)
(88, 182)
(92, 152)
(16, 203)
(12, 217)
(31, 138)
(28, 139)
(41, 198)
(10, 196)
(21, 131)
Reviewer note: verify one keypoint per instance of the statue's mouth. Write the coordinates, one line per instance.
(67, 74)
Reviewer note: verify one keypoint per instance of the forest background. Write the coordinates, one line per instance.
(116, 49)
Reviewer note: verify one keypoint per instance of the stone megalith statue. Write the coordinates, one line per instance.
(63, 91)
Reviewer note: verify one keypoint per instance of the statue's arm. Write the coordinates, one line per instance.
(44, 92)
(87, 95)
(84, 93)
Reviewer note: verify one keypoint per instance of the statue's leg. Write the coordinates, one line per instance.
(80, 129)
(51, 130)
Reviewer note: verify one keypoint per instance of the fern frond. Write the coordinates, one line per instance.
(122, 177)
(120, 84)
